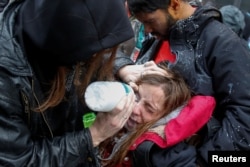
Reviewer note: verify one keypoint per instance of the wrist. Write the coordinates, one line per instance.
(123, 74)
(96, 140)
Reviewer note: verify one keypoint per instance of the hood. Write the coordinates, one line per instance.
(191, 27)
(234, 18)
(66, 31)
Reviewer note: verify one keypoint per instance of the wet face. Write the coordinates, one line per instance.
(157, 23)
(149, 104)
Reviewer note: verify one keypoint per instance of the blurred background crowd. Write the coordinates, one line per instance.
(236, 14)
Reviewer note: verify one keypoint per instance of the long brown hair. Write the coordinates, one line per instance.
(99, 67)
(176, 92)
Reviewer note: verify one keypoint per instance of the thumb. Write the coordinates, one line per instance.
(134, 86)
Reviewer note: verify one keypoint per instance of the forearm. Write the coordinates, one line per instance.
(120, 62)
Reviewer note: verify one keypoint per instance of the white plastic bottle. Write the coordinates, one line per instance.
(103, 96)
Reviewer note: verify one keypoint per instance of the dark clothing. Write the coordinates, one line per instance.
(60, 32)
(214, 61)
(246, 31)
(149, 154)
(55, 137)
(3, 3)
(60, 28)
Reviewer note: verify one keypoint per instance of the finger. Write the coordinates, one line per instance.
(155, 70)
(141, 75)
(162, 73)
(134, 86)
(131, 103)
(122, 106)
(128, 108)
(149, 63)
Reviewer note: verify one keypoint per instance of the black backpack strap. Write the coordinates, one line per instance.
(141, 154)
(207, 132)
(212, 126)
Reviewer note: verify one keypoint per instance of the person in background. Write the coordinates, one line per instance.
(213, 61)
(165, 114)
(234, 18)
(126, 48)
(50, 52)
(132, 47)
(246, 31)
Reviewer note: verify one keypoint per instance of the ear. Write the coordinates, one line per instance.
(175, 4)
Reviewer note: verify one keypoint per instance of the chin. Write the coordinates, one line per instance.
(130, 125)
(127, 128)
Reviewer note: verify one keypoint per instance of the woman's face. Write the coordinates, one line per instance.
(149, 104)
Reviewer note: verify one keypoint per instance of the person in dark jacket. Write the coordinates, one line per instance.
(165, 114)
(213, 60)
(246, 31)
(234, 18)
(49, 52)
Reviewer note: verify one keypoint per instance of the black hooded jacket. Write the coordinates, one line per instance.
(214, 61)
(61, 32)
(37, 36)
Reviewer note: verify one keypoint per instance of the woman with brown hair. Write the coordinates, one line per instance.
(165, 114)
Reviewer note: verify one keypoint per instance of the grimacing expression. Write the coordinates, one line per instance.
(158, 23)
(149, 105)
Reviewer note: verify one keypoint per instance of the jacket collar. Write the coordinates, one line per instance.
(12, 56)
(190, 28)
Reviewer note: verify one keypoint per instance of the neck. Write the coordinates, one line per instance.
(181, 10)
(187, 10)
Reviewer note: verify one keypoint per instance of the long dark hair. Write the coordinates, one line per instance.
(99, 67)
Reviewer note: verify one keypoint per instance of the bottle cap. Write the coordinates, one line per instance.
(88, 119)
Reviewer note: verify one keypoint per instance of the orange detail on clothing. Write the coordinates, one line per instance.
(165, 53)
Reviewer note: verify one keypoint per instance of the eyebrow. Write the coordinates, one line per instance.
(147, 104)
(150, 106)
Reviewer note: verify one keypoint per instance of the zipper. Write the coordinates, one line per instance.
(26, 105)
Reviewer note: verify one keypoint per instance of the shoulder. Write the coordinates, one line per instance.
(181, 155)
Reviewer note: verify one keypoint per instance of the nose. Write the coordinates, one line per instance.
(137, 108)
